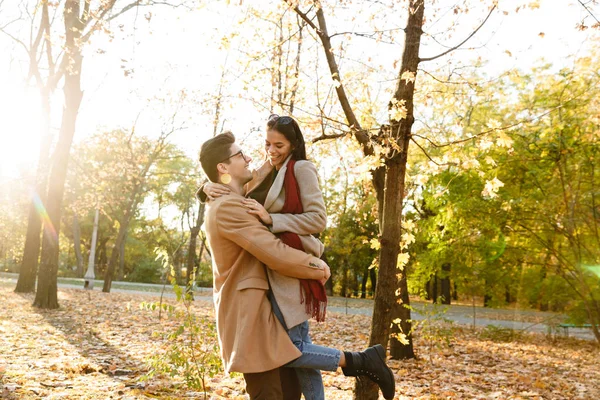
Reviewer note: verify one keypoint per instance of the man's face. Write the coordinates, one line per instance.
(239, 164)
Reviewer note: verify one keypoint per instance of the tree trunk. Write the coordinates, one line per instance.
(398, 351)
(121, 272)
(31, 252)
(373, 274)
(90, 275)
(46, 296)
(191, 262)
(385, 297)
(543, 304)
(363, 286)
(77, 246)
(390, 202)
(434, 289)
(344, 278)
(191, 256)
(445, 284)
(354, 284)
(114, 255)
(428, 287)
(487, 298)
(177, 266)
(101, 257)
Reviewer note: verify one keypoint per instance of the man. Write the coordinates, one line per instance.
(251, 338)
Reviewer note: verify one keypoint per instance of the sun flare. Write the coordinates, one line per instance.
(20, 131)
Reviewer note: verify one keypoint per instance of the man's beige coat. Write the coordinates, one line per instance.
(250, 336)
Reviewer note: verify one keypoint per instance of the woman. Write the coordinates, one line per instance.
(285, 195)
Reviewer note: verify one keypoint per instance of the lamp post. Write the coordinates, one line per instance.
(89, 275)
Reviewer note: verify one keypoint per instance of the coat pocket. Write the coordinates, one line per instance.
(253, 283)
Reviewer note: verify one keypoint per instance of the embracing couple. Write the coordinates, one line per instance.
(268, 278)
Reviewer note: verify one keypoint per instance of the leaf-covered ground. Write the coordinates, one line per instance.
(96, 346)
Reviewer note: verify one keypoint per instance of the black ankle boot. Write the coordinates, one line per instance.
(371, 363)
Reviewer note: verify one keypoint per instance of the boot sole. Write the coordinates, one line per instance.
(381, 354)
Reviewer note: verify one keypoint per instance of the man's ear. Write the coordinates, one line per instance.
(222, 168)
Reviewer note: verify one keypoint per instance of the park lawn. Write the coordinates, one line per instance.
(96, 346)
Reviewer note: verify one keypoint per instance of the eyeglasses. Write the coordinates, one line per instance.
(241, 152)
(276, 119)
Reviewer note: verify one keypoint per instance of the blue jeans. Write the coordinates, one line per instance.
(313, 359)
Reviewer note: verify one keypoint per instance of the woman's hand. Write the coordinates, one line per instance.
(255, 208)
(214, 190)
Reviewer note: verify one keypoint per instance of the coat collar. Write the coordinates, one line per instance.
(277, 185)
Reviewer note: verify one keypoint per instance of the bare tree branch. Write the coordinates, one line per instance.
(16, 39)
(138, 3)
(45, 25)
(367, 35)
(305, 18)
(427, 154)
(102, 11)
(328, 137)
(502, 128)
(588, 10)
(461, 43)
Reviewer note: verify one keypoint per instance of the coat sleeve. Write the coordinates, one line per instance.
(258, 175)
(249, 233)
(314, 218)
(200, 195)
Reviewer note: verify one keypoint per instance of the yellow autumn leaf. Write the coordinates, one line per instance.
(375, 244)
(485, 144)
(408, 238)
(402, 260)
(504, 140)
(398, 110)
(494, 124)
(491, 188)
(408, 76)
(409, 225)
(470, 164)
(490, 161)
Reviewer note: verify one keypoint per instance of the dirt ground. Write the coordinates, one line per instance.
(97, 345)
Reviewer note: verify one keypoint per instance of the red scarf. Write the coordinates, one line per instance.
(312, 292)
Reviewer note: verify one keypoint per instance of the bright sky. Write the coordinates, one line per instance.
(181, 53)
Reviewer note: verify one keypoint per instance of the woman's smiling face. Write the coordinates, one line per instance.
(278, 148)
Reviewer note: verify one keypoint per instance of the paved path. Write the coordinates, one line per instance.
(459, 314)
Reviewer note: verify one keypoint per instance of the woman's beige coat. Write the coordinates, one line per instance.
(250, 336)
(313, 220)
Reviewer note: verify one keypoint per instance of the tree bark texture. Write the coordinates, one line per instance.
(121, 273)
(399, 351)
(46, 296)
(445, 284)
(191, 254)
(434, 288)
(114, 255)
(388, 281)
(31, 252)
(77, 246)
